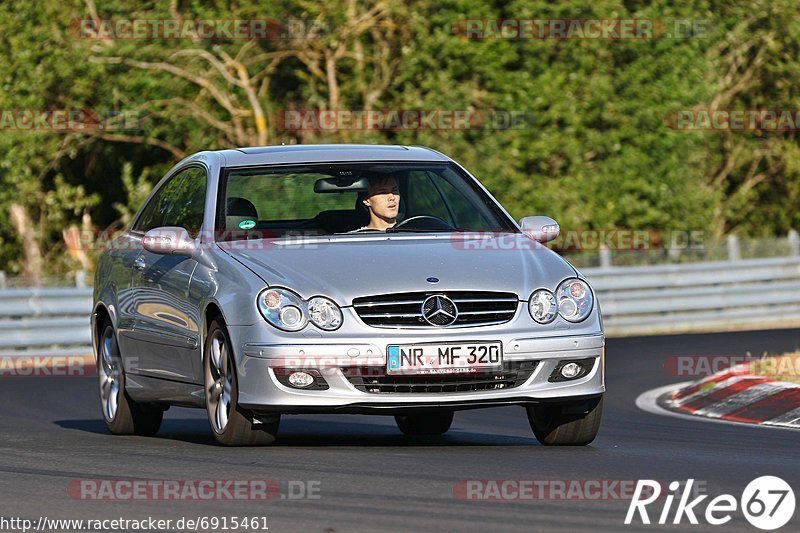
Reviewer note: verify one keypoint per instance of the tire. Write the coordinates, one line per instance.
(434, 423)
(230, 425)
(122, 415)
(566, 423)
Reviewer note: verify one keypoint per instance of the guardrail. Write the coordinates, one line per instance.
(698, 296)
(634, 300)
(45, 321)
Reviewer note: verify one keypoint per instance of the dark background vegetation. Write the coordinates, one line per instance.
(595, 151)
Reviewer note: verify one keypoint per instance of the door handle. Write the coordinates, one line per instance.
(139, 263)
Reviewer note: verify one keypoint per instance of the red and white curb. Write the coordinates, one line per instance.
(733, 396)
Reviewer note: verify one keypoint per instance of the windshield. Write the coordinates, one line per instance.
(330, 199)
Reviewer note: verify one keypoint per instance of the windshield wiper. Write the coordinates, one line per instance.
(422, 230)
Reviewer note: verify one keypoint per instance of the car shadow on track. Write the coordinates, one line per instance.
(317, 432)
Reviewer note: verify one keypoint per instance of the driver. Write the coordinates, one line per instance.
(382, 199)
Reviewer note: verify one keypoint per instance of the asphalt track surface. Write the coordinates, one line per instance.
(373, 478)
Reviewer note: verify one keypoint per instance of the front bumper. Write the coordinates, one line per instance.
(260, 390)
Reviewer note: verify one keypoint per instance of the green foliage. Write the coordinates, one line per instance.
(595, 149)
(136, 192)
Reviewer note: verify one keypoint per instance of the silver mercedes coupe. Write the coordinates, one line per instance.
(269, 281)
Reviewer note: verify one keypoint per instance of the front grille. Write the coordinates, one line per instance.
(475, 308)
(373, 379)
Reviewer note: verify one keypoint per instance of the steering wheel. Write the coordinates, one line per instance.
(429, 222)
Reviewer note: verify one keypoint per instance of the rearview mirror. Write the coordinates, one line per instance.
(169, 240)
(341, 184)
(540, 228)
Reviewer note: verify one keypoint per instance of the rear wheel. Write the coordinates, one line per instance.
(231, 427)
(434, 423)
(566, 423)
(122, 415)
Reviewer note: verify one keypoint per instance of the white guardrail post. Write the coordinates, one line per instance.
(794, 243)
(734, 253)
(605, 256)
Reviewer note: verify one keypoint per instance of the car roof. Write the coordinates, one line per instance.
(323, 153)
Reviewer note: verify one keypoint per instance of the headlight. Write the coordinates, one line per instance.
(324, 313)
(287, 311)
(575, 300)
(283, 309)
(542, 306)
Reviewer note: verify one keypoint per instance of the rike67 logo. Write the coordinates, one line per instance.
(767, 503)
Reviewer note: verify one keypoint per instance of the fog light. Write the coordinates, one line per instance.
(570, 370)
(301, 379)
(306, 379)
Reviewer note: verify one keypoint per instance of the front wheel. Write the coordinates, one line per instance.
(435, 423)
(572, 423)
(122, 415)
(230, 426)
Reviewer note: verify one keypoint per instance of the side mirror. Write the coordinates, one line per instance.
(169, 240)
(540, 228)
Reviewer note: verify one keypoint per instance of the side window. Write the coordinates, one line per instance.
(179, 202)
(152, 215)
(185, 201)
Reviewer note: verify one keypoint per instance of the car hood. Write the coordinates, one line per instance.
(345, 267)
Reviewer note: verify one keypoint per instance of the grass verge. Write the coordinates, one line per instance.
(780, 368)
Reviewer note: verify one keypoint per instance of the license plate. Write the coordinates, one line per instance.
(467, 357)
